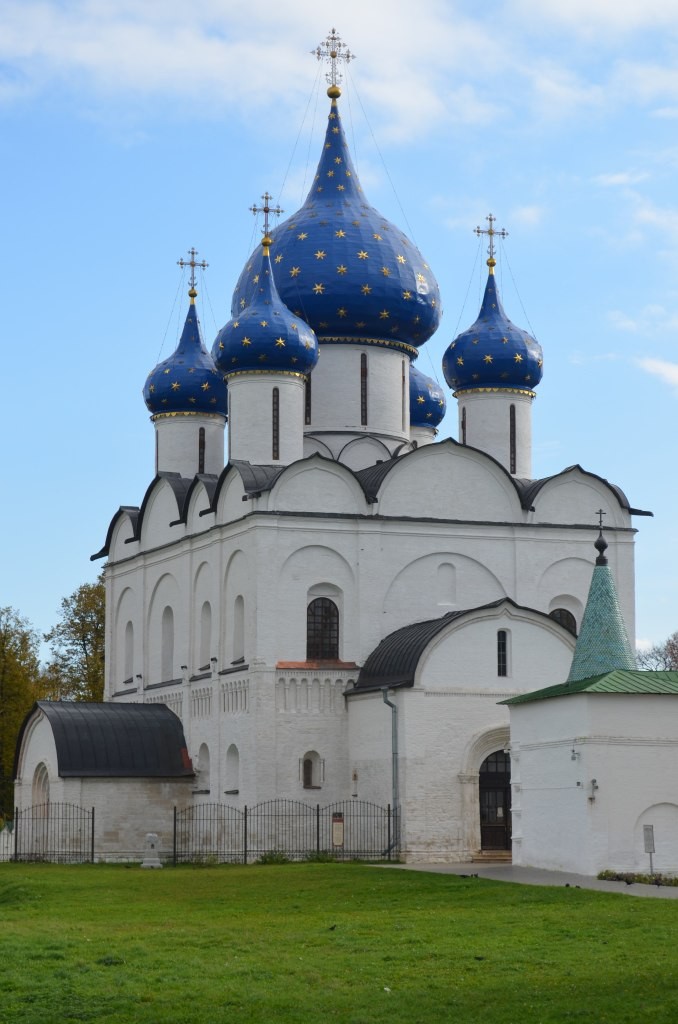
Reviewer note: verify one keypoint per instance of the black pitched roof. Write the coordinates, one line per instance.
(114, 740)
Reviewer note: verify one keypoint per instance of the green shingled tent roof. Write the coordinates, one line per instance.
(617, 681)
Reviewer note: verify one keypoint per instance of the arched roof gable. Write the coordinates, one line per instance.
(179, 486)
(110, 740)
(393, 663)
(130, 512)
(311, 465)
(531, 488)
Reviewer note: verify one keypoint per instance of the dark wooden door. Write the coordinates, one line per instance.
(495, 802)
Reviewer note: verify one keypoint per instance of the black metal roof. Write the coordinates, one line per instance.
(114, 740)
(394, 662)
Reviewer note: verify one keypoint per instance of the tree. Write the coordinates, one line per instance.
(76, 669)
(660, 658)
(19, 673)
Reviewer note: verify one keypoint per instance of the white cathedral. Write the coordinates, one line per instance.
(335, 605)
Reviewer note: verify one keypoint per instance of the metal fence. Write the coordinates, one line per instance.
(56, 832)
(348, 830)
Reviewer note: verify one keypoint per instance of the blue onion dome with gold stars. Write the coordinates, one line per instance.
(493, 352)
(427, 401)
(187, 382)
(265, 337)
(353, 276)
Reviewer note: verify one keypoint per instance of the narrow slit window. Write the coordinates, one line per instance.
(307, 402)
(502, 652)
(402, 394)
(512, 437)
(201, 450)
(275, 419)
(363, 390)
(463, 425)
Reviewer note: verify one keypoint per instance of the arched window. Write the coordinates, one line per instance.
(203, 779)
(565, 619)
(205, 636)
(128, 666)
(40, 790)
(312, 770)
(239, 629)
(232, 770)
(167, 645)
(322, 630)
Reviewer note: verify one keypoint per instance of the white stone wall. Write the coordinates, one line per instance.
(629, 745)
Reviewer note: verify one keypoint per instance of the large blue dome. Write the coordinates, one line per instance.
(342, 267)
(187, 382)
(265, 336)
(427, 401)
(493, 352)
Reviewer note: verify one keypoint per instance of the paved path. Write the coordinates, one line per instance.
(534, 876)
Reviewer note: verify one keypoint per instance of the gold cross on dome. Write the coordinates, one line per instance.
(192, 263)
(333, 51)
(491, 233)
(266, 209)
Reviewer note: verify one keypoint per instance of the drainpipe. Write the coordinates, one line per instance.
(394, 746)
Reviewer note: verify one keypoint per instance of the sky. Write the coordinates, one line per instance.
(131, 130)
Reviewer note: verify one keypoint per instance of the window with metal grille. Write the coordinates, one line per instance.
(322, 630)
(502, 652)
(363, 390)
(275, 421)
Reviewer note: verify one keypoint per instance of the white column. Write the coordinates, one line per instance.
(181, 448)
(499, 422)
(256, 402)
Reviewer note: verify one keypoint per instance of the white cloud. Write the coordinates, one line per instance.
(528, 216)
(668, 113)
(620, 178)
(585, 17)
(652, 319)
(668, 372)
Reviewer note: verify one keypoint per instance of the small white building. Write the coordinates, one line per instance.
(595, 759)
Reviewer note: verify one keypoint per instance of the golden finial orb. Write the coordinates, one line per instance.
(334, 92)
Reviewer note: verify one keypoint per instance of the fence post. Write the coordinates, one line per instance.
(317, 828)
(174, 838)
(388, 849)
(92, 840)
(244, 853)
(17, 820)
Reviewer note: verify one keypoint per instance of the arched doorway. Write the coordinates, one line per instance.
(495, 801)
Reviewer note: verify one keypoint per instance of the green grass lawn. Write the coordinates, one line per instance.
(311, 943)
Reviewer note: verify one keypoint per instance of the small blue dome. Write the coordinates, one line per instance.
(265, 336)
(342, 267)
(188, 381)
(427, 401)
(493, 352)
